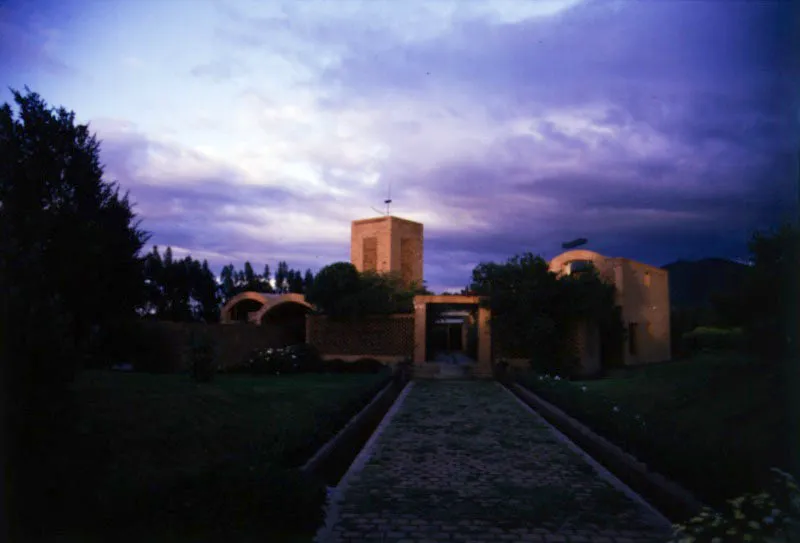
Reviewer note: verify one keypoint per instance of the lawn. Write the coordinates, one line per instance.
(714, 423)
(168, 457)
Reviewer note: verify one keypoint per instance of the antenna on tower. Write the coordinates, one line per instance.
(388, 200)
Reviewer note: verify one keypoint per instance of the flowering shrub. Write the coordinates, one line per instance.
(303, 358)
(768, 516)
(272, 361)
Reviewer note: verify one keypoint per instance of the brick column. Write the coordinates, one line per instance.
(420, 322)
(484, 339)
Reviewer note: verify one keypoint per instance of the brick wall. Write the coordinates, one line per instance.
(391, 335)
(503, 348)
(234, 342)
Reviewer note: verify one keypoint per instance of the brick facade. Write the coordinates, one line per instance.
(378, 336)
(388, 244)
(233, 342)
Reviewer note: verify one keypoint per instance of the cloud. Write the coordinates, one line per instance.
(219, 70)
(655, 131)
(644, 123)
(215, 209)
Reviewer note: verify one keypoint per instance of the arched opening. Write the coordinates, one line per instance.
(241, 311)
(290, 318)
(242, 306)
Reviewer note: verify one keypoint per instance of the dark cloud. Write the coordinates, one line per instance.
(718, 83)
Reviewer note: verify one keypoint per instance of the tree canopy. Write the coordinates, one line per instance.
(340, 291)
(534, 312)
(180, 290)
(70, 244)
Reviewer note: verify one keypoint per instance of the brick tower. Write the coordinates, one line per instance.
(387, 244)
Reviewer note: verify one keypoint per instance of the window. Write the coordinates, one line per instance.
(579, 266)
(633, 345)
(370, 254)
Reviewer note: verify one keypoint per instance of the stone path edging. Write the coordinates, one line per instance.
(675, 502)
(336, 495)
(312, 463)
(601, 470)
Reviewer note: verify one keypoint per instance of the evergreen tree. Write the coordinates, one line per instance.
(70, 271)
(207, 293)
(249, 276)
(266, 286)
(281, 277)
(228, 286)
(308, 281)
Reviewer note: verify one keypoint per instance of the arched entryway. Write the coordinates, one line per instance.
(284, 311)
(290, 317)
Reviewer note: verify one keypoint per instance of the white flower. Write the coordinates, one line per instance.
(769, 520)
(615, 409)
(558, 378)
(583, 388)
(541, 378)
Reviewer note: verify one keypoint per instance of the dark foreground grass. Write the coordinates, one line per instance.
(161, 458)
(715, 423)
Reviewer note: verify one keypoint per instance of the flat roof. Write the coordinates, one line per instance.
(385, 218)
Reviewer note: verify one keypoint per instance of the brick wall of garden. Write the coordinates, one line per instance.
(234, 342)
(390, 335)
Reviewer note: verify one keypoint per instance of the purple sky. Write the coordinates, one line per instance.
(258, 130)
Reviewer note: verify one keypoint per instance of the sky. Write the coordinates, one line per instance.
(257, 130)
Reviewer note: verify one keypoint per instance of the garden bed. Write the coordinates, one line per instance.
(714, 424)
(162, 458)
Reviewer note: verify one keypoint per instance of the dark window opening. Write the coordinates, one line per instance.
(580, 266)
(633, 345)
(370, 254)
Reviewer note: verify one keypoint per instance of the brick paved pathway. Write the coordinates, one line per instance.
(465, 461)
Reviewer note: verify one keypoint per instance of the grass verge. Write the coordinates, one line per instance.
(714, 424)
(161, 458)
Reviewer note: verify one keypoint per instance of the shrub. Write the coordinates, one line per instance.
(334, 365)
(704, 338)
(750, 517)
(148, 347)
(300, 358)
(306, 357)
(269, 362)
(365, 365)
(202, 354)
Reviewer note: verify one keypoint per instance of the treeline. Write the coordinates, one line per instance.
(535, 312)
(342, 292)
(286, 280)
(186, 290)
(764, 306)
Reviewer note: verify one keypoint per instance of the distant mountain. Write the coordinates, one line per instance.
(691, 283)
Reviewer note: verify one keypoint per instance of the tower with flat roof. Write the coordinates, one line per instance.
(388, 244)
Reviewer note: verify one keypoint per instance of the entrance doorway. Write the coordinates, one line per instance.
(452, 326)
(449, 328)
